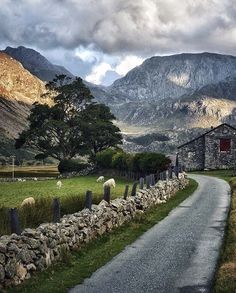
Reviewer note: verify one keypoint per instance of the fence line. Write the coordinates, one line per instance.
(149, 181)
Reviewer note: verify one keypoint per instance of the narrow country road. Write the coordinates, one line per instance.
(179, 254)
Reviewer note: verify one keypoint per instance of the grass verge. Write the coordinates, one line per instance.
(222, 174)
(225, 277)
(79, 265)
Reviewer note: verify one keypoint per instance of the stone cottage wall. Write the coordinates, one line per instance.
(36, 249)
(214, 159)
(192, 155)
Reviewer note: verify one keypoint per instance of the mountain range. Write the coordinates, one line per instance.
(19, 89)
(35, 63)
(164, 101)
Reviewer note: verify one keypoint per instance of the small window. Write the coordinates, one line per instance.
(225, 144)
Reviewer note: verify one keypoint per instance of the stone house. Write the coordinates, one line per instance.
(215, 149)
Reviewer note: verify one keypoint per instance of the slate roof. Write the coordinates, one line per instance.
(205, 134)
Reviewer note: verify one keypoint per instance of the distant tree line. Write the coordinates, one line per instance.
(142, 163)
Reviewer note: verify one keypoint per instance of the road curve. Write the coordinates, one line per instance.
(179, 254)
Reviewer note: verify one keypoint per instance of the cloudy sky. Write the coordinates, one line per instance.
(101, 40)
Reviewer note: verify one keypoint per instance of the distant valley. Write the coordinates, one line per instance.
(159, 104)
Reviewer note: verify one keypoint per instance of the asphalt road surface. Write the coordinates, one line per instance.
(179, 254)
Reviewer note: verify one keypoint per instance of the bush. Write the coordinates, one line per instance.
(121, 161)
(71, 166)
(147, 163)
(136, 162)
(104, 158)
(153, 162)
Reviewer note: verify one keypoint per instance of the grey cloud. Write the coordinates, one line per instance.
(120, 26)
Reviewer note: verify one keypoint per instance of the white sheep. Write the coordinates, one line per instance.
(19, 180)
(59, 184)
(28, 201)
(100, 179)
(35, 179)
(110, 182)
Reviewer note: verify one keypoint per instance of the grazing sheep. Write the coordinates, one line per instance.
(19, 180)
(59, 184)
(23, 180)
(35, 179)
(28, 201)
(100, 179)
(110, 182)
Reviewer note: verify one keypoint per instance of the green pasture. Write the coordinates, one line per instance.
(71, 194)
(13, 193)
(29, 171)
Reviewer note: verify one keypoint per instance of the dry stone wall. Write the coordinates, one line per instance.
(36, 249)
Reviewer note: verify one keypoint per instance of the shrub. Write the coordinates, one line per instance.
(120, 161)
(147, 163)
(136, 162)
(153, 162)
(71, 166)
(104, 158)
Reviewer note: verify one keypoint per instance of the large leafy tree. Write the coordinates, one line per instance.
(72, 124)
(98, 131)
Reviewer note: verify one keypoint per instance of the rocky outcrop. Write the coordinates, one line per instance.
(36, 249)
(177, 90)
(35, 63)
(170, 77)
(19, 89)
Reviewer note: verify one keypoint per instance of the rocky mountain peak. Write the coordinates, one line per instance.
(19, 89)
(170, 77)
(37, 64)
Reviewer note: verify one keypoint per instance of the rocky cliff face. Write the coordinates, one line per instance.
(19, 89)
(179, 91)
(35, 63)
(170, 77)
(174, 95)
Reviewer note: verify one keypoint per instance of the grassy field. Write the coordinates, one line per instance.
(225, 278)
(75, 267)
(71, 194)
(12, 193)
(30, 171)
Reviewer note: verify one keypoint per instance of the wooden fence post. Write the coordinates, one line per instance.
(164, 175)
(88, 200)
(141, 183)
(148, 182)
(134, 188)
(14, 221)
(126, 191)
(56, 209)
(152, 179)
(177, 171)
(107, 193)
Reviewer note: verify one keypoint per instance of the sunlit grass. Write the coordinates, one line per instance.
(71, 194)
(12, 193)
